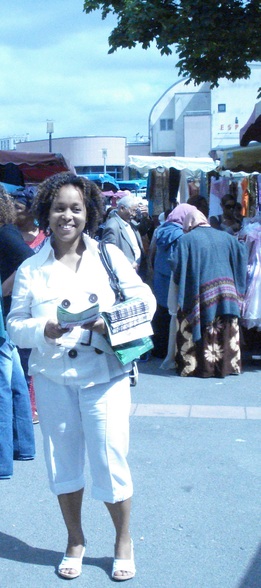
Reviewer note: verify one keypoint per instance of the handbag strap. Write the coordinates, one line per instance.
(113, 278)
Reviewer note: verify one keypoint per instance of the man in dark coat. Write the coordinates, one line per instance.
(121, 230)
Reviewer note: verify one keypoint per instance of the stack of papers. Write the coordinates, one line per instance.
(127, 321)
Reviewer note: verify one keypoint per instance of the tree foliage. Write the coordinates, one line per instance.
(214, 39)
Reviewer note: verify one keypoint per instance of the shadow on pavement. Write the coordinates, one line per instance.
(152, 366)
(252, 578)
(16, 550)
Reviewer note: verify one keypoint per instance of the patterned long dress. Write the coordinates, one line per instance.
(216, 354)
(210, 271)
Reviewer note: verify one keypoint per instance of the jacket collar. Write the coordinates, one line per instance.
(47, 250)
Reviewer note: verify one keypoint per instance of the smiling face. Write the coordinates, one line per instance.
(68, 215)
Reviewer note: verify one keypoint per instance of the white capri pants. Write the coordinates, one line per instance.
(72, 418)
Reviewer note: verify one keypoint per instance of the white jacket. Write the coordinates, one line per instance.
(41, 283)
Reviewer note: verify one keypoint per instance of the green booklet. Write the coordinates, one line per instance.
(72, 317)
(128, 352)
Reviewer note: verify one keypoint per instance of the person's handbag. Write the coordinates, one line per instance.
(128, 320)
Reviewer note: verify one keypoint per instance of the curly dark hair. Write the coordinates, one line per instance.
(7, 208)
(49, 189)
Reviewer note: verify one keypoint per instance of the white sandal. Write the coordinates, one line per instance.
(73, 563)
(124, 565)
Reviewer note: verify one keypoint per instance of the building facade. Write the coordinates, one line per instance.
(189, 120)
(87, 154)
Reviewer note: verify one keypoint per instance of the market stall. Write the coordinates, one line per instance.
(104, 181)
(238, 173)
(20, 168)
(251, 131)
(238, 159)
(172, 179)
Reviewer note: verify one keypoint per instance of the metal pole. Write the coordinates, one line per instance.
(104, 154)
(49, 130)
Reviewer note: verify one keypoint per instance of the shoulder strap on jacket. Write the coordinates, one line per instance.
(114, 280)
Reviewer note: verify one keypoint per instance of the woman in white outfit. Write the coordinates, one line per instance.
(82, 390)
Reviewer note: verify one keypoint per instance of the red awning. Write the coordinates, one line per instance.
(31, 167)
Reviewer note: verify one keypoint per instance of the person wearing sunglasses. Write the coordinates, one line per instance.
(231, 218)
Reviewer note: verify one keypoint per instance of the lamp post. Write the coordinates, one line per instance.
(49, 130)
(104, 155)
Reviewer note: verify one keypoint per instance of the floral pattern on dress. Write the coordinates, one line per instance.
(213, 353)
(217, 354)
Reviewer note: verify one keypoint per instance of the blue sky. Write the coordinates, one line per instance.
(55, 65)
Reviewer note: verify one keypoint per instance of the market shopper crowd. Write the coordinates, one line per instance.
(197, 270)
(194, 272)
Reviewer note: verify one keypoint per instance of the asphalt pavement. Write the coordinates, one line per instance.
(195, 461)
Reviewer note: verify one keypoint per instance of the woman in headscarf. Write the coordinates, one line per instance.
(210, 271)
(167, 237)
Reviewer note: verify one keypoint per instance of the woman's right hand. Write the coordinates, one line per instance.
(53, 330)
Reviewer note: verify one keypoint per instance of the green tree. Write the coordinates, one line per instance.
(214, 39)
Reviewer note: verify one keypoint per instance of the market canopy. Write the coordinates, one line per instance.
(20, 168)
(239, 159)
(251, 131)
(10, 188)
(104, 181)
(132, 185)
(144, 163)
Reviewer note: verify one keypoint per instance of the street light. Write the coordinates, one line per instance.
(49, 130)
(104, 155)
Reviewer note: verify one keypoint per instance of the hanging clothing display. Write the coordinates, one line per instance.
(185, 176)
(251, 310)
(219, 187)
(158, 191)
(241, 186)
(259, 190)
(174, 180)
(245, 196)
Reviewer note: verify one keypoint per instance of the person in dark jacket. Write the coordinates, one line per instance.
(16, 429)
(13, 249)
(167, 238)
(120, 231)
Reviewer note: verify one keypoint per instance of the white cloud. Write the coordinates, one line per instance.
(55, 65)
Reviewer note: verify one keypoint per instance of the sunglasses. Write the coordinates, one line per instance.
(229, 205)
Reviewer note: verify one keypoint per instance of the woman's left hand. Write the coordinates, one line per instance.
(98, 326)
(53, 330)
